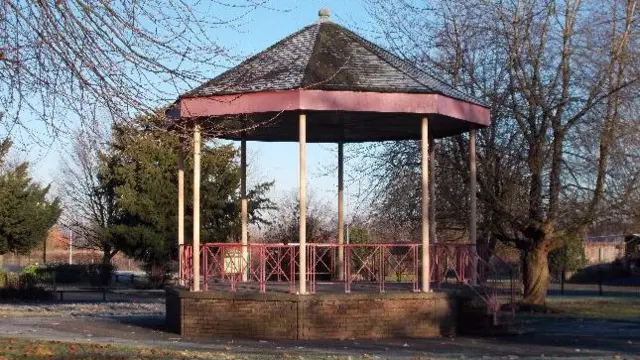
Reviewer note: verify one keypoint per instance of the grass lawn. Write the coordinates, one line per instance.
(11, 348)
(606, 307)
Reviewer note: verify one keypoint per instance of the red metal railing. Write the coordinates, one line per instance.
(381, 265)
(477, 268)
(375, 264)
(186, 265)
(364, 264)
(256, 263)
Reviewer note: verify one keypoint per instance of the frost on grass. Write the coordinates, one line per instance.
(85, 309)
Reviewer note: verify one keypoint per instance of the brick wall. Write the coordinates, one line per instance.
(173, 306)
(319, 316)
(603, 252)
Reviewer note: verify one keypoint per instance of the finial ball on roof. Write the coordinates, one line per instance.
(324, 12)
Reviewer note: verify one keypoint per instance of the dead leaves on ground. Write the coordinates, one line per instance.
(11, 348)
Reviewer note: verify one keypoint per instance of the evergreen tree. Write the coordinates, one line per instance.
(568, 257)
(25, 212)
(141, 167)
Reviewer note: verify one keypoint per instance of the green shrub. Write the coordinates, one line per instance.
(94, 274)
(100, 274)
(157, 275)
(68, 274)
(601, 273)
(33, 293)
(569, 257)
(30, 269)
(36, 275)
(24, 286)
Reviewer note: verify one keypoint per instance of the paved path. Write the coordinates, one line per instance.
(553, 337)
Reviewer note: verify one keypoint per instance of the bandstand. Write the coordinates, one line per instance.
(323, 84)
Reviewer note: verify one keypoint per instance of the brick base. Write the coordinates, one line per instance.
(318, 316)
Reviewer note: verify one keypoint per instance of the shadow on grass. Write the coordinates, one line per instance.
(144, 321)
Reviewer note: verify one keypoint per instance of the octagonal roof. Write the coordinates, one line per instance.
(346, 82)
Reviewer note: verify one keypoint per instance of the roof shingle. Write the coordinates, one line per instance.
(327, 56)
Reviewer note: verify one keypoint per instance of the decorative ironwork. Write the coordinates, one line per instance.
(381, 265)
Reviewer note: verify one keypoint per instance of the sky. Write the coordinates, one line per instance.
(268, 161)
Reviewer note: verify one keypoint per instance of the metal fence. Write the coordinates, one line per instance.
(367, 267)
(13, 262)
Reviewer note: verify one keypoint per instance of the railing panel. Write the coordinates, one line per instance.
(369, 265)
(230, 264)
(374, 266)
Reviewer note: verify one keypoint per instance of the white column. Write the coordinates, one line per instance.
(196, 208)
(180, 213)
(244, 206)
(473, 201)
(425, 204)
(432, 192)
(302, 128)
(340, 211)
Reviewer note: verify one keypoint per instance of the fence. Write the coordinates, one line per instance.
(120, 261)
(382, 267)
(614, 279)
(259, 263)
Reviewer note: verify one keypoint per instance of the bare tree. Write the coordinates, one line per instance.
(285, 225)
(59, 59)
(562, 78)
(89, 203)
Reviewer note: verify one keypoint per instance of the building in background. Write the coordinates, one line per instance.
(604, 249)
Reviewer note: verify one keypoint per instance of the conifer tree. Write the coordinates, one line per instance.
(26, 213)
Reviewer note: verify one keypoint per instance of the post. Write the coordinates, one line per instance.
(70, 247)
(180, 214)
(244, 207)
(600, 270)
(472, 205)
(340, 211)
(302, 129)
(425, 205)
(195, 286)
(432, 192)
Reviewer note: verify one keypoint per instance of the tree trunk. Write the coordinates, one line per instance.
(535, 274)
(106, 258)
(106, 267)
